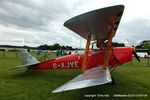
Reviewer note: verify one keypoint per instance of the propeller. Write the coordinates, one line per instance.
(135, 54)
(133, 51)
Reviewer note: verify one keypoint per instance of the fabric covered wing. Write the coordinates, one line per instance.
(98, 22)
(91, 77)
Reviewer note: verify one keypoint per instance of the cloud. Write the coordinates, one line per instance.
(37, 22)
(134, 31)
(41, 20)
(33, 14)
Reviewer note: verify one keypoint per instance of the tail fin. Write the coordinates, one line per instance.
(27, 59)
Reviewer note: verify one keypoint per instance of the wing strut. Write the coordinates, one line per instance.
(106, 57)
(86, 54)
(92, 47)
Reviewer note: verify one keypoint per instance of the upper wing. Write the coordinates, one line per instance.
(98, 22)
(91, 77)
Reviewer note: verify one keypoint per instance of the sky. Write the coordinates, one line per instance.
(38, 22)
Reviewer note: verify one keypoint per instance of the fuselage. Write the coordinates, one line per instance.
(74, 61)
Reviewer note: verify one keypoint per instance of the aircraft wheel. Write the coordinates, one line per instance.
(113, 81)
(27, 71)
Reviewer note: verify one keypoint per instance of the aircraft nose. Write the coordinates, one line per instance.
(133, 49)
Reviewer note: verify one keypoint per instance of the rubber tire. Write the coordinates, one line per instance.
(113, 81)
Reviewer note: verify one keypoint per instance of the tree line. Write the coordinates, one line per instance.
(42, 47)
(55, 47)
(142, 45)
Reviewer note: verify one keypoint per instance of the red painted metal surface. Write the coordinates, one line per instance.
(74, 61)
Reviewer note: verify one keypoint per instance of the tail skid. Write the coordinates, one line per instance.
(27, 59)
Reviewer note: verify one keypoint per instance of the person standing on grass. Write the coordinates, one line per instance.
(69, 52)
(49, 52)
(57, 53)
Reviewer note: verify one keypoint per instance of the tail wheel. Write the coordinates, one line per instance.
(27, 69)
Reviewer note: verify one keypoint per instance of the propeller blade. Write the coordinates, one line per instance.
(136, 56)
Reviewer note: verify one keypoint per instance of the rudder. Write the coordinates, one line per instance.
(26, 58)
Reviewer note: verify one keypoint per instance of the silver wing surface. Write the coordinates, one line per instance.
(91, 77)
(98, 23)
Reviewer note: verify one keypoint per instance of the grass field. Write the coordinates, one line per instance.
(37, 85)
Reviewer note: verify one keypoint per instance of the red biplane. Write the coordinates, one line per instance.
(98, 26)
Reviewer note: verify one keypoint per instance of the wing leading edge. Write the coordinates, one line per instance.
(91, 77)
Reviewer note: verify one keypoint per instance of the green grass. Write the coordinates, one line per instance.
(37, 85)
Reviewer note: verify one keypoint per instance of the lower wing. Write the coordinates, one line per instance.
(91, 77)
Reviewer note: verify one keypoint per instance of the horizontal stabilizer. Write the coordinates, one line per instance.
(22, 66)
(91, 77)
